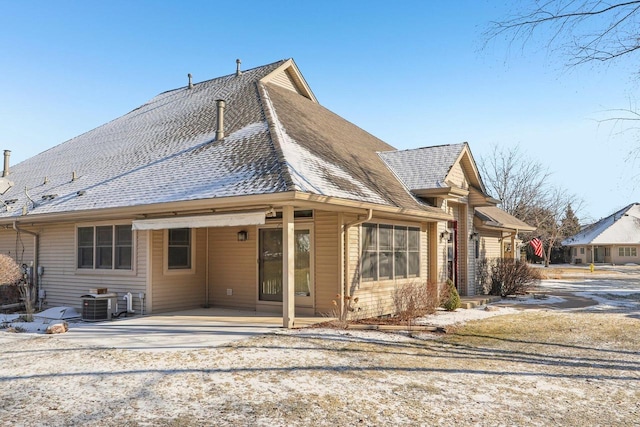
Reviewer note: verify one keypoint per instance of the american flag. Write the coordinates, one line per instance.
(536, 244)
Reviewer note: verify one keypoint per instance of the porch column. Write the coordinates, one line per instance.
(288, 268)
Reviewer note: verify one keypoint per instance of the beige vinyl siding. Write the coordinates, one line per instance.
(441, 254)
(64, 284)
(18, 246)
(476, 198)
(352, 237)
(490, 246)
(457, 177)
(233, 265)
(327, 268)
(177, 289)
(470, 251)
(283, 79)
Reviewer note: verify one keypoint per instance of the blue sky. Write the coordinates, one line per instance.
(413, 73)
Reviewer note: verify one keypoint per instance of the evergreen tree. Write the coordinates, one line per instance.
(570, 223)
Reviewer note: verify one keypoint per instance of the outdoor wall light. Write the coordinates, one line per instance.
(473, 235)
(445, 235)
(243, 236)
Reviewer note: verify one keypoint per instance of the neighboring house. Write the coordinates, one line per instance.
(241, 191)
(614, 239)
(446, 176)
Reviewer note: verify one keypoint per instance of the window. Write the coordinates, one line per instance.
(581, 251)
(179, 248)
(104, 247)
(573, 251)
(627, 252)
(96, 248)
(85, 247)
(607, 251)
(124, 243)
(390, 252)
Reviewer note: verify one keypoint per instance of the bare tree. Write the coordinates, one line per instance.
(519, 182)
(584, 30)
(550, 219)
(523, 188)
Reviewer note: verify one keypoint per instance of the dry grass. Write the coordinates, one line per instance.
(534, 368)
(558, 273)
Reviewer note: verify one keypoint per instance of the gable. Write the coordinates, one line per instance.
(464, 172)
(457, 177)
(288, 76)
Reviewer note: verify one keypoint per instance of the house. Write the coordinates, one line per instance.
(614, 239)
(446, 176)
(243, 192)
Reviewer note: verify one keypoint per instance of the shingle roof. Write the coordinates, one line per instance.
(423, 168)
(621, 227)
(165, 151)
(494, 216)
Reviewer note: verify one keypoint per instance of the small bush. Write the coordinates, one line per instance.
(10, 272)
(483, 278)
(450, 297)
(342, 318)
(412, 300)
(512, 277)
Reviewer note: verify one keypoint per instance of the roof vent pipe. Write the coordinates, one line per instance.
(7, 154)
(238, 72)
(220, 128)
(190, 84)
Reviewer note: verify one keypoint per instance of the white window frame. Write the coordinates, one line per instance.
(627, 251)
(165, 255)
(94, 270)
(393, 251)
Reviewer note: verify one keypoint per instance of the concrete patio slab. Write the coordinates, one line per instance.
(189, 329)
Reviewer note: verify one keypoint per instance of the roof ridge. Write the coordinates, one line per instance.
(274, 134)
(249, 70)
(425, 147)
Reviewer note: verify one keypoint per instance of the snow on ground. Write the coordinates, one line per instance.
(461, 315)
(328, 377)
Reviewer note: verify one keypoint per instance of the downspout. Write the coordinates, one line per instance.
(36, 250)
(206, 272)
(345, 238)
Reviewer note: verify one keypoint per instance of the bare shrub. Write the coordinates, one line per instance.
(412, 300)
(342, 317)
(483, 278)
(11, 275)
(10, 272)
(512, 277)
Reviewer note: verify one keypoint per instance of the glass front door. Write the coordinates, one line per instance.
(270, 251)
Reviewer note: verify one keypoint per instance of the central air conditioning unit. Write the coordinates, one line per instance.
(98, 307)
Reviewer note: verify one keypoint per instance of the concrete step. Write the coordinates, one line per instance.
(477, 300)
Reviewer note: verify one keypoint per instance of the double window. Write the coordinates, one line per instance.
(105, 247)
(390, 252)
(627, 252)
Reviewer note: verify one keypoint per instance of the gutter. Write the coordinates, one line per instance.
(36, 250)
(345, 229)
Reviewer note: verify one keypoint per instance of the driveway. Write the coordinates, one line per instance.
(189, 329)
